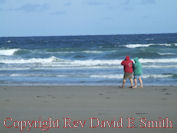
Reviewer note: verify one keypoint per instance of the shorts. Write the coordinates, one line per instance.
(128, 75)
(137, 76)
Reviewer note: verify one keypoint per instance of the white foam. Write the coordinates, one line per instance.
(96, 62)
(146, 45)
(8, 52)
(63, 52)
(36, 75)
(111, 76)
(149, 39)
(108, 76)
(117, 62)
(156, 76)
(32, 60)
(159, 66)
(170, 60)
(168, 45)
(120, 76)
(14, 68)
(93, 52)
(19, 75)
(166, 53)
(57, 62)
(137, 45)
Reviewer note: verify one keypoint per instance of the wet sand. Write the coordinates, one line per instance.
(69, 103)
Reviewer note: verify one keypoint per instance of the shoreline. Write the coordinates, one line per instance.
(79, 85)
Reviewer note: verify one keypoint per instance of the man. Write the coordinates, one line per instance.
(128, 71)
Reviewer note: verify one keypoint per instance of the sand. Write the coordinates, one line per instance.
(20, 104)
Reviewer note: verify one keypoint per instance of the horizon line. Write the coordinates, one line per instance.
(90, 35)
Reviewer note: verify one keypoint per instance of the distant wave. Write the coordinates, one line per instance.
(166, 53)
(32, 60)
(171, 60)
(120, 76)
(155, 76)
(64, 66)
(148, 45)
(117, 62)
(8, 52)
(149, 39)
(36, 75)
(95, 62)
(93, 52)
(137, 45)
(60, 62)
(109, 76)
(44, 51)
(159, 66)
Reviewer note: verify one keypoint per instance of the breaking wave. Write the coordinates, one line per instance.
(8, 52)
(148, 45)
(120, 76)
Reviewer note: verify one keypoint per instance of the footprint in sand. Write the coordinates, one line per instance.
(100, 94)
(39, 96)
(51, 96)
(108, 98)
(7, 100)
(68, 97)
(164, 98)
(164, 89)
(167, 93)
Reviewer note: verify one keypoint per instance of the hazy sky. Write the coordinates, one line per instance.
(86, 17)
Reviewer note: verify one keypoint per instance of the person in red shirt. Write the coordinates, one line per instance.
(128, 71)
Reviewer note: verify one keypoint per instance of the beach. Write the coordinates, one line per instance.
(19, 104)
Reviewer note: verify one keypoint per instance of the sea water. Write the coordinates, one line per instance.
(86, 60)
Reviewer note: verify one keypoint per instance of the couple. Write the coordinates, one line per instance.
(132, 69)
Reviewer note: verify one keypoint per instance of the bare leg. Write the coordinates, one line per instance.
(135, 80)
(123, 83)
(131, 81)
(141, 82)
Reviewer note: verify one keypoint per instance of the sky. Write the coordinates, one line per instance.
(86, 17)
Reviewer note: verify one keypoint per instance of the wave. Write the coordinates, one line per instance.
(117, 62)
(96, 62)
(68, 62)
(67, 66)
(32, 60)
(166, 53)
(54, 61)
(120, 76)
(93, 52)
(170, 60)
(159, 66)
(155, 76)
(8, 52)
(149, 39)
(36, 75)
(137, 45)
(109, 76)
(44, 51)
(148, 45)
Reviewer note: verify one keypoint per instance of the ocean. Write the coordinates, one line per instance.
(86, 60)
